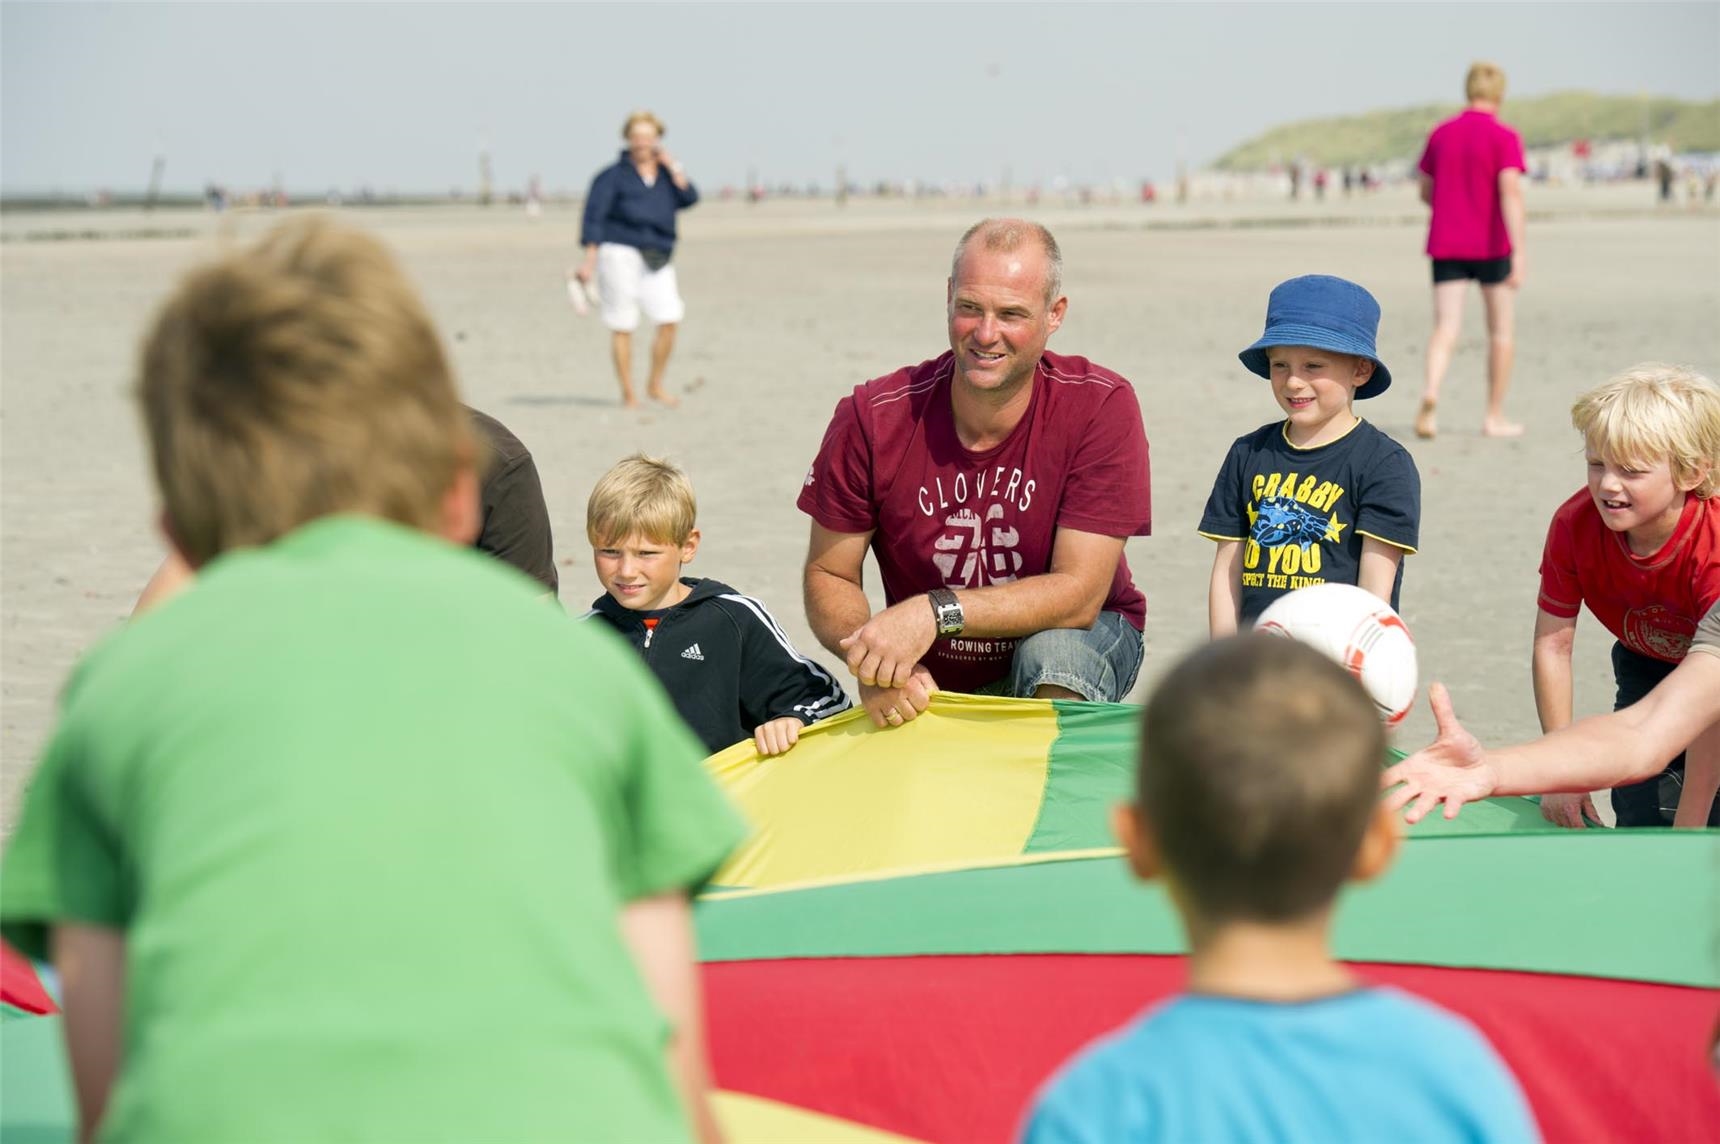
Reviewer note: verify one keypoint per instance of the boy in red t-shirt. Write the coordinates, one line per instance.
(1641, 547)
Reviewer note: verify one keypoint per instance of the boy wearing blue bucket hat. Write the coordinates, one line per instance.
(1322, 496)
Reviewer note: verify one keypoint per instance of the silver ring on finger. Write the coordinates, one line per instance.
(894, 717)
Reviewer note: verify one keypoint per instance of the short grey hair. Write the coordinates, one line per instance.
(1007, 234)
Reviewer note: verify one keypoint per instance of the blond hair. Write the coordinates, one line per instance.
(643, 117)
(1485, 83)
(1654, 411)
(641, 496)
(1006, 235)
(295, 379)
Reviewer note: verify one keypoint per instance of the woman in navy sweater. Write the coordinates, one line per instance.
(629, 236)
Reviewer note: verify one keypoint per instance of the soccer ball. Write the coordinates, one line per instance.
(1358, 630)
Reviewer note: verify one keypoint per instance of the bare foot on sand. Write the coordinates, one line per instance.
(1426, 424)
(1497, 428)
(628, 401)
(665, 398)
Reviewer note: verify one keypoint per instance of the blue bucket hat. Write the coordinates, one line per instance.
(1324, 312)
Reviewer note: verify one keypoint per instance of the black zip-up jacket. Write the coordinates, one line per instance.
(726, 663)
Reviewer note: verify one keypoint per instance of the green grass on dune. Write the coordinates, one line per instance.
(1548, 120)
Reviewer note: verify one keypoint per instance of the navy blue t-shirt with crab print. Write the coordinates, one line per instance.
(1301, 514)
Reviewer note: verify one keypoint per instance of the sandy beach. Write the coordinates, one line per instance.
(791, 304)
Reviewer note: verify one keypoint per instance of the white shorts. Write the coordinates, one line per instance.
(625, 286)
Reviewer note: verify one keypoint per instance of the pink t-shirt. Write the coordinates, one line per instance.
(942, 515)
(1464, 156)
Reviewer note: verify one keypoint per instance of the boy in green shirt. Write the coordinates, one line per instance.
(355, 839)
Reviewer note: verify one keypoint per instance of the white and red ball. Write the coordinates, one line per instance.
(1360, 632)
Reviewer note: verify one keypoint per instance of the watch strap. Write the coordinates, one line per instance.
(946, 611)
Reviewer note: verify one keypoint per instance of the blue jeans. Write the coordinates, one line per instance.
(1098, 663)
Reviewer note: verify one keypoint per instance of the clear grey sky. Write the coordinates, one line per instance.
(400, 96)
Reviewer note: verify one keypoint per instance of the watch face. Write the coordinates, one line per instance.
(947, 611)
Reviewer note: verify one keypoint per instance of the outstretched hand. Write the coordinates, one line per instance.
(1453, 769)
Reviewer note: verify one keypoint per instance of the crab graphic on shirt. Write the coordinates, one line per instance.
(1282, 520)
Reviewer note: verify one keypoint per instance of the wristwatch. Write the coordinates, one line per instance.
(947, 611)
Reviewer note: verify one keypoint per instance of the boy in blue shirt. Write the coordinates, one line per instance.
(1321, 496)
(1258, 796)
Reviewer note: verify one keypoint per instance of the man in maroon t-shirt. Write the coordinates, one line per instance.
(996, 485)
(1471, 175)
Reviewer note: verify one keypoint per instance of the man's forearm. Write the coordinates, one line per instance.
(835, 607)
(1622, 747)
(1029, 605)
(1590, 754)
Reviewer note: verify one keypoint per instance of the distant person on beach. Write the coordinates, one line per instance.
(1471, 175)
(629, 239)
(514, 522)
(352, 726)
(996, 484)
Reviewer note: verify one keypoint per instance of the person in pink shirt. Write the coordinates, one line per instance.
(1471, 175)
(996, 485)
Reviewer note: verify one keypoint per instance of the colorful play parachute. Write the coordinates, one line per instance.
(929, 919)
